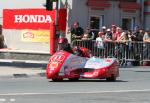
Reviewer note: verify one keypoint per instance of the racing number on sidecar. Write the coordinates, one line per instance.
(53, 65)
(59, 58)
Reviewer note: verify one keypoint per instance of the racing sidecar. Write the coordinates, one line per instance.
(66, 65)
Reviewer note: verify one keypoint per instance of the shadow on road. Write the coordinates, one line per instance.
(143, 71)
(88, 80)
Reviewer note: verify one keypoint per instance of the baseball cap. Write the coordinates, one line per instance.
(103, 27)
(108, 29)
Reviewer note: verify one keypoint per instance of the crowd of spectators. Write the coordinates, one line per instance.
(113, 34)
(127, 40)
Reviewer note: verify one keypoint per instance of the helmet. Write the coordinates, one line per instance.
(63, 40)
(62, 43)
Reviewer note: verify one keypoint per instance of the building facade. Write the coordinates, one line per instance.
(97, 13)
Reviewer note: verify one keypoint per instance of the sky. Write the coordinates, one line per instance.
(16, 4)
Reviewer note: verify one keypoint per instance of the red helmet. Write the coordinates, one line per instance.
(63, 40)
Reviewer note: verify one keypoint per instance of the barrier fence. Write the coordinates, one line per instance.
(135, 52)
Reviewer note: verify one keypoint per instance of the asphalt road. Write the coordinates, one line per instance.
(133, 86)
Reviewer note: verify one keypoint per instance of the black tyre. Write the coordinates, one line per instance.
(57, 80)
(73, 79)
(111, 79)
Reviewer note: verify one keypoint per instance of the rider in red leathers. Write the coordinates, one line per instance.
(79, 51)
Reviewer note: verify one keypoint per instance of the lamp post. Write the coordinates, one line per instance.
(142, 13)
(49, 7)
(56, 18)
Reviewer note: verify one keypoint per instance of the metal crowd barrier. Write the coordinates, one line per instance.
(135, 52)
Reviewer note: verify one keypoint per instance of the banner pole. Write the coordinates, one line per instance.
(56, 19)
(52, 39)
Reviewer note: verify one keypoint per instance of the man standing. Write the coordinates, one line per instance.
(146, 49)
(1, 38)
(76, 32)
(138, 46)
(114, 30)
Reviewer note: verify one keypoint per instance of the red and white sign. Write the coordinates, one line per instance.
(32, 18)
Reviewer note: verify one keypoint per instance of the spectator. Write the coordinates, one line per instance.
(117, 44)
(76, 31)
(138, 48)
(123, 47)
(146, 37)
(129, 32)
(108, 35)
(123, 37)
(1, 38)
(130, 45)
(146, 49)
(87, 38)
(141, 34)
(99, 40)
(109, 45)
(87, 34)
(100, 44)
(117, 34)
(104, 30)
(94, 34)
(137, 34)
(113, 30)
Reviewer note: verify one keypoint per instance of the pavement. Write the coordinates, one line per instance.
(22, 63)
(17, 72)
(22, 68)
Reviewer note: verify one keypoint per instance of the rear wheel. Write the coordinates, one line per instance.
(73, 79)
(112, 78)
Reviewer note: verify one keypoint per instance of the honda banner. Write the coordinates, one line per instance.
(32, 18)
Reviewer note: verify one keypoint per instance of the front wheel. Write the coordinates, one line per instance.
(111, 79)
(57, 80)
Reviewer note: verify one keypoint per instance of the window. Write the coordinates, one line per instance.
(94, 22)
(126, 23)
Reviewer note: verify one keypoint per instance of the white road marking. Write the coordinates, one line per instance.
(61, 93)
(2, 100)
(12, 100)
